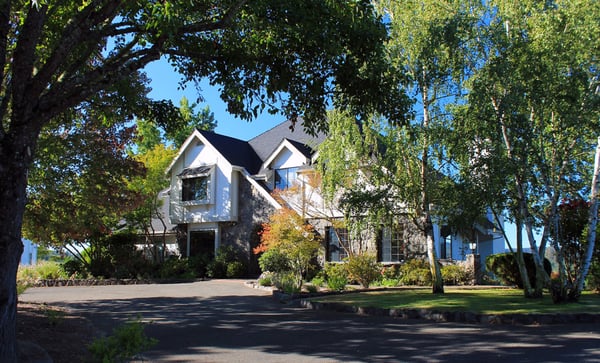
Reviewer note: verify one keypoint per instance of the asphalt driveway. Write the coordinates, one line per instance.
(226, 321)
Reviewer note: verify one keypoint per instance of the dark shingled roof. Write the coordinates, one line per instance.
(236, 151)
(251, 154)
(265, 143)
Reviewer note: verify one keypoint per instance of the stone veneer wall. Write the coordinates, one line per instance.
(253, 211)
(416, 244)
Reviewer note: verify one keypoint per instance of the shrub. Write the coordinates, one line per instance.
(455, 275)
(363, 268)
(176, 268)
(390, 272)
(22, 286)
(336, 276)
(73, 267)
(219, 267)
(505, 267)
(41, 271)
(287, 282)
(415, 272)
(266, 279)
(125, 343)
(236, 269)
(593, 277)
(386, 282)
(311, 288)
(318, 280)
(274, 260)
(198, 265)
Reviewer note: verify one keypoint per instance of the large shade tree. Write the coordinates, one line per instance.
(288, 55)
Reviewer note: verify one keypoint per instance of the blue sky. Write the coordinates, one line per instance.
(165, 85)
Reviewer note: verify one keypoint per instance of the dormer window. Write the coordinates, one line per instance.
(196, 184)
(285, 178)
(195, 189)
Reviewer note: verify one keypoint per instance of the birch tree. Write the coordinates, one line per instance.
(429, 43)
(534, 102)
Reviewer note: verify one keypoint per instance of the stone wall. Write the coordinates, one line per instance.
(254, 210)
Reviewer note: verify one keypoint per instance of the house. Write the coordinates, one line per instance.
(29, 255)
(222, 189)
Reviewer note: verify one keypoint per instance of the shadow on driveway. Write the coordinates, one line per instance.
(227, 327)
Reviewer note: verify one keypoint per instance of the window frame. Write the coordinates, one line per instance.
(393, 245)
(333, 237)
(205, 174)
(288, 182)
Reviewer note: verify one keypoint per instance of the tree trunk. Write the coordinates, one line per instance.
(14, 162)
(592, 222)
(436, 272)
(527, 289)
(434, 266)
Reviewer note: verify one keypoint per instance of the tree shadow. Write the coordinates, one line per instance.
(248, 328)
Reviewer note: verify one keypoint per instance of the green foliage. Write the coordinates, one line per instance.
(505, 267)
(125, 343)
(115, 256)
(78, 190)
(572, 240)
(236, 269)
(593, 278)
(41, 271)
(318, 280)
(226, 262)
(455, 275)
(266, 279)
(22, 286)
(415, 272)
(176, 268)
(54, 316)
(74, 267)
(388, 282)
(288, 233)
(312, 288)
(273, 260)
(190, 121)
(336, 276)
(390, 272)
(479, 301)
(363, 268)
(198, 265)
(287, 282)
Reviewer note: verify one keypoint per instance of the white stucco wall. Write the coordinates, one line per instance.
(287, 159)
(29, 255)
(220, 206)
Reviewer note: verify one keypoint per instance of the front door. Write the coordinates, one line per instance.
(202, 243)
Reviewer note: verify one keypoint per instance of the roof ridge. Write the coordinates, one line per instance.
(271, 129)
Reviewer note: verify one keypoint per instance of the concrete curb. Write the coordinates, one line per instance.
(456, 316)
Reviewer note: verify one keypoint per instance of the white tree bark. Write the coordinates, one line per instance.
(592, 221)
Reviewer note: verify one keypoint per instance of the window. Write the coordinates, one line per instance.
(285, 178)
(393, 246)
(337, 243)
(195, 189)
(196, 184)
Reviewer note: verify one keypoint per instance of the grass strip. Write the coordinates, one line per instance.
(484, 301)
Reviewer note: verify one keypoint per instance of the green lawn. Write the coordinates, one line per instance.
(485, 301)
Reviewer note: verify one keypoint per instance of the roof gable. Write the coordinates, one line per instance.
(267, 142)
(251, 154)
(293, 147)
(236, 151)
